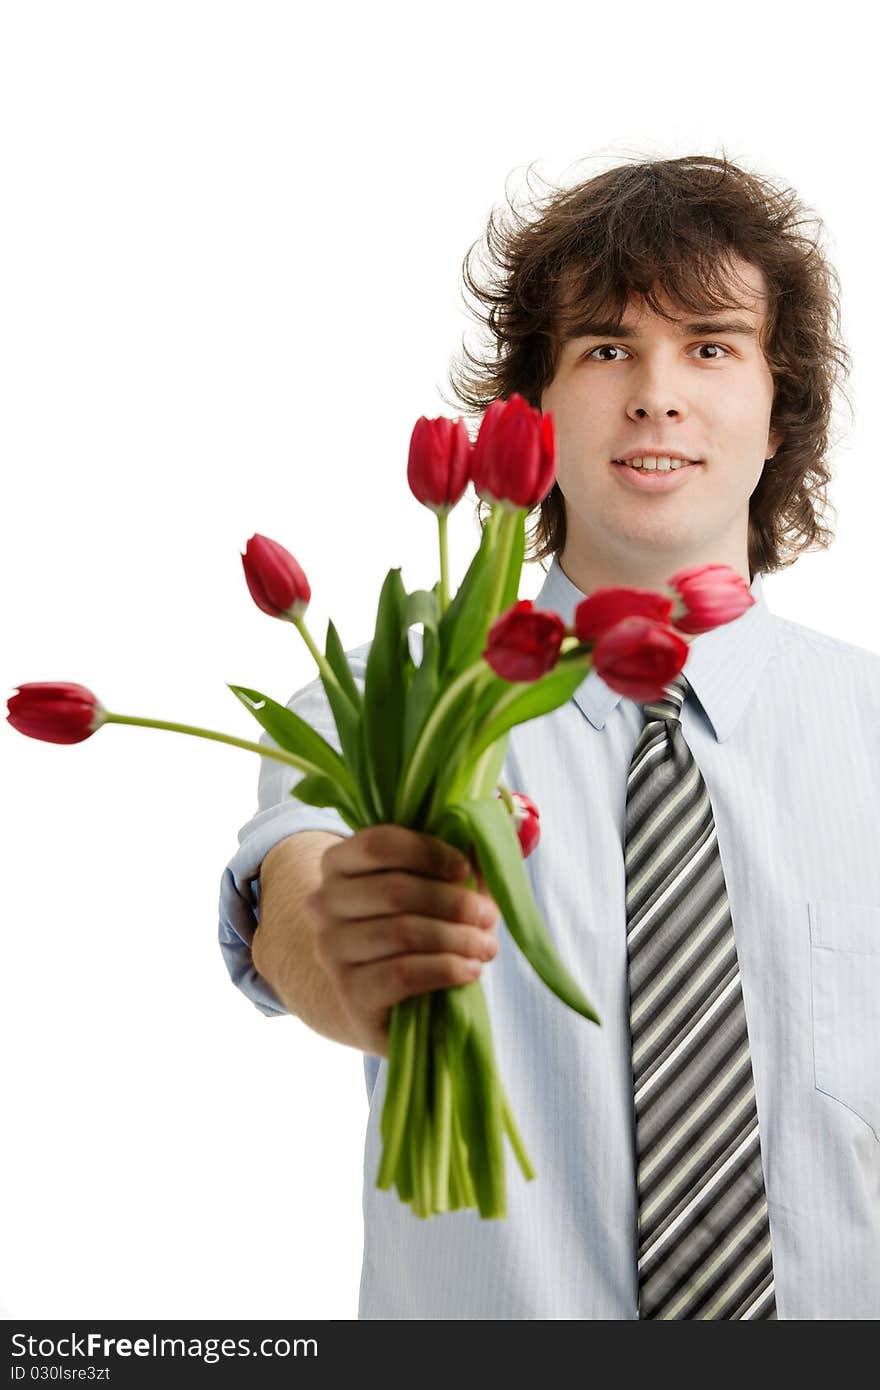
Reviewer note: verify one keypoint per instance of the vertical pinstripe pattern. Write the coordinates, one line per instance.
(704, 1233)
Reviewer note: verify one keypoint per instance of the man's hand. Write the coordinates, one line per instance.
(392, 919)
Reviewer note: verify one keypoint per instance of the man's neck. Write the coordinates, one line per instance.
(589, 574)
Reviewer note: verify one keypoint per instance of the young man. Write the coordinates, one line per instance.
(663, 312)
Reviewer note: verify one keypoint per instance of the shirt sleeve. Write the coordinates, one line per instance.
(278, 815)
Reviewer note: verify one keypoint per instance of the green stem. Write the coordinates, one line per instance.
(418, 1123)
(411, 1143)
(403, 812)
(264, 752)
(456, 1197)
(442, 1109)
(323, 665)
(442, 518)
(517, 1144)
(451, 776)
(479, 772)
(401, 1061)
(502, 560)
(466, 1185)
(495, 517)
(457, 1190)
(492, 728)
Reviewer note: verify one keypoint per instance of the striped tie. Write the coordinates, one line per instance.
(704, 1233)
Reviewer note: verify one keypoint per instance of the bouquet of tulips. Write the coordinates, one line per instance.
(423, 747)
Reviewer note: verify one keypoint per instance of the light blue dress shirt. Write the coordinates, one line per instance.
(784, 723)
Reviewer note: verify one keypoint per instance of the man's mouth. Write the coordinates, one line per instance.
(659, 464)
(674, 473)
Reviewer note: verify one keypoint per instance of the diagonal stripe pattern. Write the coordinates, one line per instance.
(704, 1232)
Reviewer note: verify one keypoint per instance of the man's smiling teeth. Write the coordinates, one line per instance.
(662, 464)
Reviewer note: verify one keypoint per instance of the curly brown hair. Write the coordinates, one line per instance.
(669, 224)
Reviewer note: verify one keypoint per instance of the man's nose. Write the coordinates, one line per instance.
(656, 395)
(655, 414)
(656, 392)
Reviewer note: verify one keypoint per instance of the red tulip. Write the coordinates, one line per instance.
(527, 822)
(639, 657)
(277, 583)
(439, 462)
(712, 595)
(514, 454)
(523, 643)
(604, 607)
(55, 711)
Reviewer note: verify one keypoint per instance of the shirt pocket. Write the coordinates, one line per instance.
(845, 968)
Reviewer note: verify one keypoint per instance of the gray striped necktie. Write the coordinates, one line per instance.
(704, 1234)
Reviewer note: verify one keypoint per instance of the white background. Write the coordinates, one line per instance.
(230, 246)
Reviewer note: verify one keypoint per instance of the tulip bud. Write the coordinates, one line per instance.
(639, 657)
(524, 643)
(55, 711)
(439, 462)
(276, 582)
(514, 455)
(604, 607)
(526, 821)
(712, 595)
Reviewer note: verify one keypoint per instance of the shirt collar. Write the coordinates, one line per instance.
(723, 665)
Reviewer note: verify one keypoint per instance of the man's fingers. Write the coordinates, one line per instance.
(359, 896)
(381, 847)
(379, 938)
(384, 983)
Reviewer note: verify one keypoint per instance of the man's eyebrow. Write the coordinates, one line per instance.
(611, 328)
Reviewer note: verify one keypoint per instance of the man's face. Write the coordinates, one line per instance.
(653, 384)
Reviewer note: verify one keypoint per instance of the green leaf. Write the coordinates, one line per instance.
(338, 663)
(423, 606)
(529, 699)
(456, 781)
(464, 625)
(294, 734)
(317, 790)
(439, 749)
(347, 715)
(422, 693)
(454, 778)
(491, 771)
(454, 767)
(388, 665)
(493, 689)
(347, 720)
(488, 826)
(369, 784)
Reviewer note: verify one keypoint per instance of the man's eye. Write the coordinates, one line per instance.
(714, 345)
(607, 347)
(615, 347)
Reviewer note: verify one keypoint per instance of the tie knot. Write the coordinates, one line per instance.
(669, 705)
